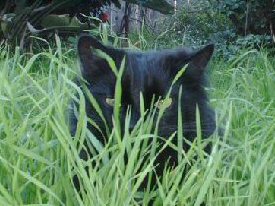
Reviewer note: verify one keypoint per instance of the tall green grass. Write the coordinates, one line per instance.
(38, 156)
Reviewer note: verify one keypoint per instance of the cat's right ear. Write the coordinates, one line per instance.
(91, 63)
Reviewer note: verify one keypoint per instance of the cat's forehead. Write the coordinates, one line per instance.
(151, 59)
(153, 54)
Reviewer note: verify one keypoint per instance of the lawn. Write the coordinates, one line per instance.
(38, 156)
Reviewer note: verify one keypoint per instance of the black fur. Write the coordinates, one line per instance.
(150, 73)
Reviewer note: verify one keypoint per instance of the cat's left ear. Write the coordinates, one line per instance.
(200, 59)
(92, 65)
(87, 45)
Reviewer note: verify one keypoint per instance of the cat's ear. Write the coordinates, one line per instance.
(86, 44)
(199, 60)
(92, 64)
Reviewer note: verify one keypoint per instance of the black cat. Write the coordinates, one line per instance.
(152, 74)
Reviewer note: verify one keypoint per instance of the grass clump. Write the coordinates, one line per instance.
(38, 156)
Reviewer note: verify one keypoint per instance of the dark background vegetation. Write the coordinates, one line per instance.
(230, 24)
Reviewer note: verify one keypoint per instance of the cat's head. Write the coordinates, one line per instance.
(149, 73)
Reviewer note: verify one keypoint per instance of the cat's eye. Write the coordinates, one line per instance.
(110, 101)
(164, 103)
